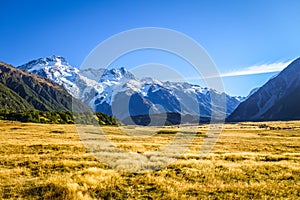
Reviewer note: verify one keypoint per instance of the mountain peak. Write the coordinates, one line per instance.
(116, 74)
(41, 63)
(58, 59)
(55, 68)
(44, 62)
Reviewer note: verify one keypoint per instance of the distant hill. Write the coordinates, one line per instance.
(278, 99)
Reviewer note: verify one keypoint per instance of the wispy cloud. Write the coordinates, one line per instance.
(255, 69)
(258, 69)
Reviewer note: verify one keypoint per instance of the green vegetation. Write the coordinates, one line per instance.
(62, 117)
(48, 161)
(104, 119)
(167, 132)
(9, 99)
(57, 117)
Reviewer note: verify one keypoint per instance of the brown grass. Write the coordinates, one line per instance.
(249, 161)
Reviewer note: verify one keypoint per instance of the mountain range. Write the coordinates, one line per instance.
(52, 84)
(118, 92)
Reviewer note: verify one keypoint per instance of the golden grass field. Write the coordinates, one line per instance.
(249, 161)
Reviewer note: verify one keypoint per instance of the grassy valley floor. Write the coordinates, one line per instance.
(249, 161)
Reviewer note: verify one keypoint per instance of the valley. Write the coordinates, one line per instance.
(249, 161)
(149, 100)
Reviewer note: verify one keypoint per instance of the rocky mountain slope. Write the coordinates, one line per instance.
(278, 99)
(21, 90)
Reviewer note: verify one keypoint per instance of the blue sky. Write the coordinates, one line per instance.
(242, 37)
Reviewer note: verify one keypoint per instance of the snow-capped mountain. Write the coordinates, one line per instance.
(57, 69)
(124, 95)
(117, 92)
(278, 99)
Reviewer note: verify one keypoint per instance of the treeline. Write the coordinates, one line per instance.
(58, 117)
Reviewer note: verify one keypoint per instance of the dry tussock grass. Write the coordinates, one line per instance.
(249, 161)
